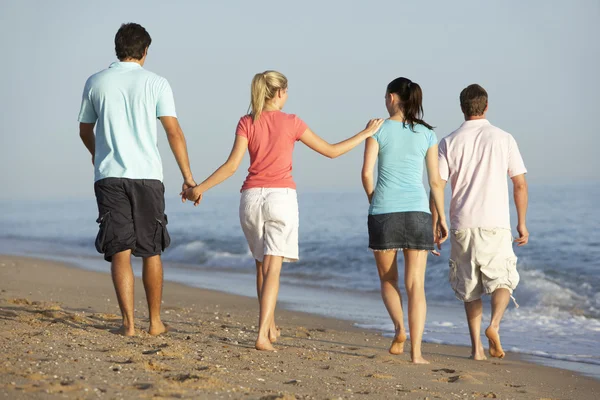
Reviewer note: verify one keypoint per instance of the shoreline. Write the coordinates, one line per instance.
(57, 319)
(363, 309)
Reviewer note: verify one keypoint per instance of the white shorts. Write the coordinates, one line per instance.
(481, 261)
(269, 219)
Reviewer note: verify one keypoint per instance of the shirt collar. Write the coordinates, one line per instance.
(475, 123)
(125, 64)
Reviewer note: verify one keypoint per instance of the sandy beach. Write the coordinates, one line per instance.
(56, 343)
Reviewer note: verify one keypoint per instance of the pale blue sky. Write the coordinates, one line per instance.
(539, 61)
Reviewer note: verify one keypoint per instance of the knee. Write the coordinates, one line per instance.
(152, 260)
(414, 288)
(389, 278)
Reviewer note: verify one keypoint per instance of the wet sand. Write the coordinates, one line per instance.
(55, 340)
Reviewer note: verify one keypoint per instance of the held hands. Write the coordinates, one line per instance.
(193, 194)
(440, 234)
(373, 126)
(191, 191)
(187, 184)
(523, 238)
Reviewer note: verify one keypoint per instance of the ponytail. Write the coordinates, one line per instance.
(258, 94)
(411, 101)
(265, 86)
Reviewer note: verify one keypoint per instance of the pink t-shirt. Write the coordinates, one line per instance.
(271, 142)
(476, 158)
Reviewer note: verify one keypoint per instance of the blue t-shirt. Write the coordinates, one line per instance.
(400, 168)
(125, 101)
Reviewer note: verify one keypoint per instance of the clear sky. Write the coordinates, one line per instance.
(539, 61)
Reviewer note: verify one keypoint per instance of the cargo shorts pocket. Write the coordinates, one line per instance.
(453, 276)
(104, 233)
(162, 240)
(512, 276)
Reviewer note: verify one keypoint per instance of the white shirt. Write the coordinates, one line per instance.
(476, 159)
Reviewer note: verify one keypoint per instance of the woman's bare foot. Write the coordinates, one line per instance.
(274, 333)
(478, 357)
(264, 344)
(478, 354)
(158, 328)
(419, 360)
(494, 341)
(124, 331)
(397, 346)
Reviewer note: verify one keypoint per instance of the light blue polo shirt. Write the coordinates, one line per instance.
(400, 168)
(124, 101)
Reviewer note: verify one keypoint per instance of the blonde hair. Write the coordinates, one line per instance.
(265, 86)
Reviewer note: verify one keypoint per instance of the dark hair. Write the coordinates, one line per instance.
(411, 101)
(473, 100)
(131, 41)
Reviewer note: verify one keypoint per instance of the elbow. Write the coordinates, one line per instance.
(85, 134)
(520, 185)
(174, 135)
(230, 169)
(436, 184)
(332, 152)
(520, 188)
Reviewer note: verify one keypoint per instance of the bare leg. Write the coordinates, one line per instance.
(415, 262)
(474, 310)
(387, 267)
(259, 278)
(152, 276)
(268, 300)
(274, 332)
(500, 299)
(122, 277)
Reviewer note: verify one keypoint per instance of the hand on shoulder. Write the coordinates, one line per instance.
(374, 125)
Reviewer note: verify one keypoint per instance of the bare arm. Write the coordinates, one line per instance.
(316, 143)
(437, 185)
(179, 148)
(222, 173)
(521, 198)
(86, 133)
(370, 158)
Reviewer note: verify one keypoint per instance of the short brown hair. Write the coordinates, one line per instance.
(473, 100)
(131, 41)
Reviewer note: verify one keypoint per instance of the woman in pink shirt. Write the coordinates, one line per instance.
(269, 206)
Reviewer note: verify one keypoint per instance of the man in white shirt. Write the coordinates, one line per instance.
(476, 159)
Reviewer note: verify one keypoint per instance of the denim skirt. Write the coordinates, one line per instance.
(401, 230)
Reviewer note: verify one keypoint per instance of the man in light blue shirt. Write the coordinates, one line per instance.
(124, 102)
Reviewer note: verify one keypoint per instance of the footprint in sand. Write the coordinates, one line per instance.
(302, 332)
(466, 378)
(489, 395)
(24, 302)
(379, 376)
(143, 386)
(446, 370)
(8, 314)
(53, 314)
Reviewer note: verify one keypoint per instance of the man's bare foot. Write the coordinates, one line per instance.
(124, 331)
(397, 346)
(419, 360)
(158, 328)
(264, 344)
(494, 341)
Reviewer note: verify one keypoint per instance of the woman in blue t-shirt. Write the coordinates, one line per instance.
(399, 215)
